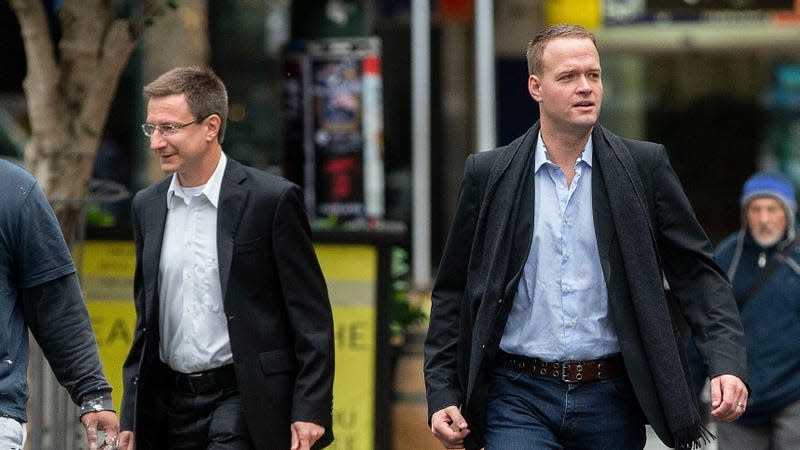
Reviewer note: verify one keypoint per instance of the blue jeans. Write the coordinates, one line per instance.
(530, 412)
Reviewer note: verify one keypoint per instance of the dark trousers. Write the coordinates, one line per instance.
(213, 421)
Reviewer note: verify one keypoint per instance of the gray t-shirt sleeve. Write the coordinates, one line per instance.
(42, 253)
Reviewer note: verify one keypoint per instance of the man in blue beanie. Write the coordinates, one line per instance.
(763, 262)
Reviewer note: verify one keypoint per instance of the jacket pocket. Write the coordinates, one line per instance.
(246, 246)
(277, 361)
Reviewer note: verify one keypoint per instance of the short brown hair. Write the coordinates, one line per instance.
(537, 44)
(205, 92)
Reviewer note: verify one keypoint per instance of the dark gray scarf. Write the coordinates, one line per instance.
(639, 252)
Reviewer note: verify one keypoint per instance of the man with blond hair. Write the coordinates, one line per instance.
(550, 327)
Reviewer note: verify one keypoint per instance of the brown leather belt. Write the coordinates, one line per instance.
(567, 371)
(207, 381)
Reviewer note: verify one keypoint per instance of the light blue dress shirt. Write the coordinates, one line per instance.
(560, 311)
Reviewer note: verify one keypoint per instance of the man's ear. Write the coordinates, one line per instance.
(212, 127)
(535, 88)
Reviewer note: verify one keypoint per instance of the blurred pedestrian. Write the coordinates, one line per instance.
(762, 260)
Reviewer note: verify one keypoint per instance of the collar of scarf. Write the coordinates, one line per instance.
(640, 255)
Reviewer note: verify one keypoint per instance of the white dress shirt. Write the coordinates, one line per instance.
(194, 331)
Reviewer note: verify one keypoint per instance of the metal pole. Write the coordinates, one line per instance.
(485, 113)
(421, 123)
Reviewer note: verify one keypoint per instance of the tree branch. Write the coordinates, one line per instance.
(117, 47)
(95, 49)
(41, 80)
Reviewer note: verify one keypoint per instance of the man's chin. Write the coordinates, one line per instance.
(767, 241)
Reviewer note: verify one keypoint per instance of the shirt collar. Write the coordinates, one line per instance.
(210, 189)
(540, 154)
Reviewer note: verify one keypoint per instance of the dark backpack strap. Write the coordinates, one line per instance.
(763, 275)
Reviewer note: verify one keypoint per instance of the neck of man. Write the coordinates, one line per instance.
(200, 174)
(564, 148)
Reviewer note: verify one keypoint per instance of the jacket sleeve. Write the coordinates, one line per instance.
(442, 384)
(57, 317)
(697, 370)
(130, 369)
(309, 309)
(699, 284)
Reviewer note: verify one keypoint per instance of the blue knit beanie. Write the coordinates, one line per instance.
(770, 184)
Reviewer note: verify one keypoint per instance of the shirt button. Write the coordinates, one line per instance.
(500, 300)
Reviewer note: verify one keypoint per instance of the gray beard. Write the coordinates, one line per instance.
(767, 242)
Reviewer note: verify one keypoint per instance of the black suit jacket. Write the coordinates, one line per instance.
(471, 301)
(275, 299)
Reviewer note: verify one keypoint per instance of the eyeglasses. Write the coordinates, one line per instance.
(167, 129)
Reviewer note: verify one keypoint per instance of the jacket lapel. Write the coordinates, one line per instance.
(232, 199)
(155, 218)
(604, 231)
(523, 227)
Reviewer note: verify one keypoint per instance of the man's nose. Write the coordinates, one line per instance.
(583, 84)
(156, 140)
(763, 217)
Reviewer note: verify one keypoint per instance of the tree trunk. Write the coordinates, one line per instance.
(69, 96)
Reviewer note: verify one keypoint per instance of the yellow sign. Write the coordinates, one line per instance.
(351, 273)
(106, 271)
(113, 323)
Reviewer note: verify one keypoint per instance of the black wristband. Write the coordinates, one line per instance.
(97, 402)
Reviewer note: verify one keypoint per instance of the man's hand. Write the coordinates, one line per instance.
(449, 426)
(304, 434)
(101, 420)
(728, 397)
(126, 440)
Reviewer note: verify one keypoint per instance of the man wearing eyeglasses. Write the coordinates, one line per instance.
(233, 346)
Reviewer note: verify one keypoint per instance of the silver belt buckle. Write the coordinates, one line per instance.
(565, 372)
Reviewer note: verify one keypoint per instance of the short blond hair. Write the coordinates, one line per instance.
(538, 43)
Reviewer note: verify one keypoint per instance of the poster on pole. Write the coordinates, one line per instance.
(337, 84)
